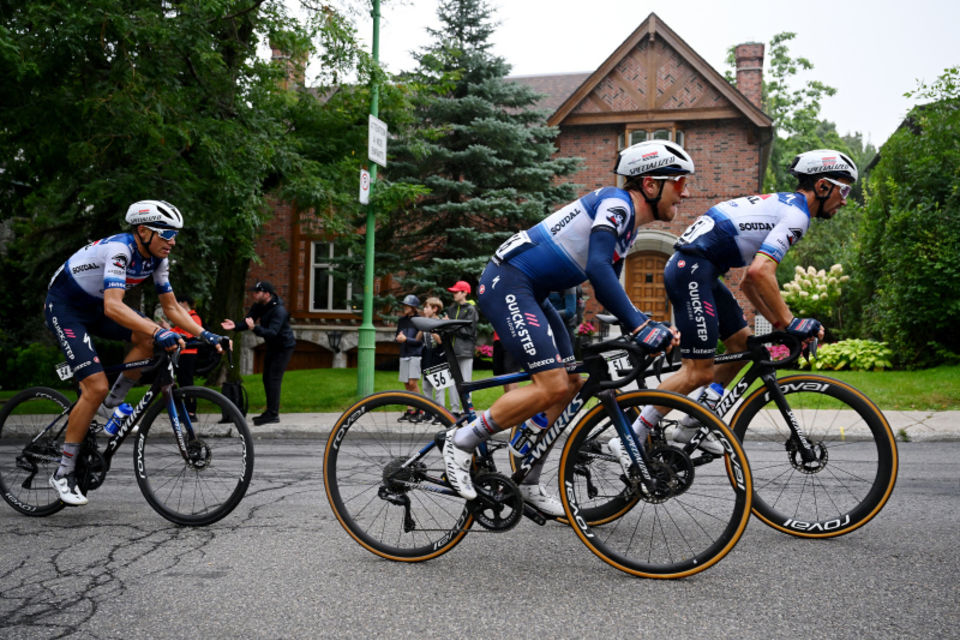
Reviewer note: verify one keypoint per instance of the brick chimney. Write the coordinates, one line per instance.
(295, 67)
(749, 56)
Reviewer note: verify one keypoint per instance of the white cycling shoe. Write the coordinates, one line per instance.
(457, 463)
(614, 447)
(68, 490)
(536, 495)
(710, 444)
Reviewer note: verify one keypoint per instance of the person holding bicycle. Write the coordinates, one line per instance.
(85, 298)
(584, 240)
(753, 232)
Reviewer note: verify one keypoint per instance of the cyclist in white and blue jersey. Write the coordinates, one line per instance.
(587, 239)
(85, 299)
(753, 232)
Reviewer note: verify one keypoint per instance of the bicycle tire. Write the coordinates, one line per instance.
(24, 474)
(405, 518)
(211, 484)
(664, 537)
(850, 484)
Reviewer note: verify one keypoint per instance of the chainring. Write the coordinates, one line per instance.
(498, 505)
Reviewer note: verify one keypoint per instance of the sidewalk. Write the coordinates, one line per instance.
(919, 426)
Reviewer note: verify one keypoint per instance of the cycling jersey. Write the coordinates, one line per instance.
(555, 251)
(74, 304)
(555, 255)
(732, 233)
(110, 263)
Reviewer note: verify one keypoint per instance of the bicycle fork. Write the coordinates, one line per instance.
(799, 439)
(634, 447)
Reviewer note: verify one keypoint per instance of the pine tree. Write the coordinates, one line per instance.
(481, 148)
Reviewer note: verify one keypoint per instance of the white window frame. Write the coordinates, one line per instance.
(315, 264)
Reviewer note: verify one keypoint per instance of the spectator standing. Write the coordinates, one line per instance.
(433, 353)
(274, 328)
(411, 348)
(565, 302)
(504, 362)
(465, 338)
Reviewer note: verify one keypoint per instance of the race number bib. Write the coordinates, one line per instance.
(618, 364)
(517, 243)
(700, 226)
(439, 376)
(64, 371)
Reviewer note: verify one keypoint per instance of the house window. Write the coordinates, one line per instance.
(332, 290)
(662, 133)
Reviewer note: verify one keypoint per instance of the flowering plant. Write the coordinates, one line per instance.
(813, 293)
(586, 329)
(778, 351)
(483, 351)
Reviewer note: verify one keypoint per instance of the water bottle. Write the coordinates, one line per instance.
(121, 413)
(526, 434)
(710, 398)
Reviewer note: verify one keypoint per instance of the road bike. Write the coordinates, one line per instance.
(664, 517)
(823, 456)
(193, 465)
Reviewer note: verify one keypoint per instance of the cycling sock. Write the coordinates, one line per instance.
(68, 461)
(119, 391)
(473, 433)
(648, 421)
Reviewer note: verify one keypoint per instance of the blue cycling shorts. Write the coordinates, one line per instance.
(528, 325)
(72, 325)
(703, 307)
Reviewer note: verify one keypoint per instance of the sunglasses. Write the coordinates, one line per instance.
(681, 181)
(165, 234)
(845, 189)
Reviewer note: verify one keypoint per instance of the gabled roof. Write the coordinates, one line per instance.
(705, 95)
(554, 88)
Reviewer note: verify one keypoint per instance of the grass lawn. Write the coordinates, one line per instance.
(333, 390)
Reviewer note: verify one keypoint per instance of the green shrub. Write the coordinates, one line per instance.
(854, 355)
(33, 365)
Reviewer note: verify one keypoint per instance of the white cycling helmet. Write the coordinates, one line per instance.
(155, 213)
(824, 162)
(653, 158)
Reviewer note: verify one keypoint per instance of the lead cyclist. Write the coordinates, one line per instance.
(85, 298)
(587, 239)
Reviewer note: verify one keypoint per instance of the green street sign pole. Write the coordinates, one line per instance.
(367, 338)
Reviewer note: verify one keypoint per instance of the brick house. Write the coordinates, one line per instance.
(653, 86)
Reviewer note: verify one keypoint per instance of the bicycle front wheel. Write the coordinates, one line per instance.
(690, 524)
(206, 483)
(854, 468)
(383, 474)
(30, 449)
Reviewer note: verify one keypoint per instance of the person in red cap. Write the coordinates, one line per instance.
(465, 338)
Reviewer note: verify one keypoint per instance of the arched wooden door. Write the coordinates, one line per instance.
(644, 284)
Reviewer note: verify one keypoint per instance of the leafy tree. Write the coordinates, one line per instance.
(908, 249)
(481, 149)
(104, 102)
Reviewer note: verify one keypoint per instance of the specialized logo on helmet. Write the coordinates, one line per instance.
(649, 162)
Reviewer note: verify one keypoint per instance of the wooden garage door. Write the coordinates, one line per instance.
(644, 284)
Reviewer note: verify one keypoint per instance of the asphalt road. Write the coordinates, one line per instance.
(281, 566)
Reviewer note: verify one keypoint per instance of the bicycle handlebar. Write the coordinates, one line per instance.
(756, 347)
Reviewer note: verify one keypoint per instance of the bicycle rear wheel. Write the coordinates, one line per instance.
(397, 511)
(856, 466)
(206, 485)
(29, 451)
(690, 526)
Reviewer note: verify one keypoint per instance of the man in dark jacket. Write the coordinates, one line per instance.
(275, 329)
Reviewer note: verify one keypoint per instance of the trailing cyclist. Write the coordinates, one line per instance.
(754, 232)
(85, 298)
(585, 240)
